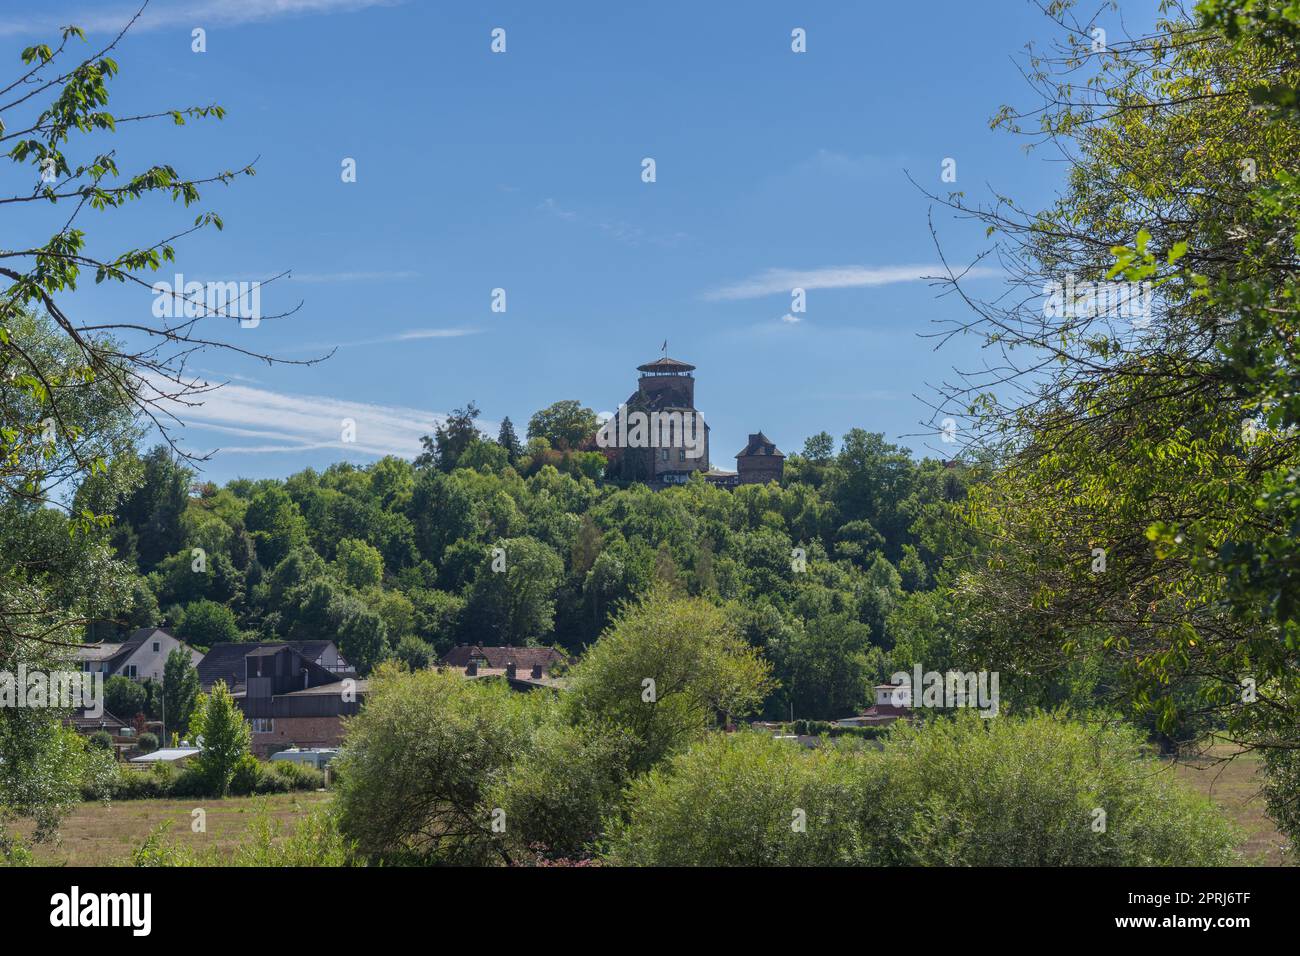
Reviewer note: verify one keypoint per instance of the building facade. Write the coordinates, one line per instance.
(141, 657)
(759, 462)
(659, 437)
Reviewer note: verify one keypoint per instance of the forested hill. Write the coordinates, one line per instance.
(396, 559)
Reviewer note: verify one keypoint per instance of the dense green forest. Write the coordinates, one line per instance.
(396, 559)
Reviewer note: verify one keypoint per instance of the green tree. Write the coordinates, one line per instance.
(358, 564)
(508, 440)
(663, 672)
(205, 623)
(820, 448)
(275, 524)
(482, 454)
(565, 425)
(450, 439)
(557, 796)
(180, 691)
(413, 652)
(361, 633)
(154, 509)
(225, 736)
(123, 697)
(515, 605)
(420, 761)
(1142, 510)
(827, 668)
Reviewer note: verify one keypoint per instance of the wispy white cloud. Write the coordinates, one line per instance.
(297, 423)
(774, 281)
(556, 210)
(109, 18)
(616, 229)
(411, 335)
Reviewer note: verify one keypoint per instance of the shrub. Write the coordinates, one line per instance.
(147, 743)
(420, 760)
(246, 776)
(1011, 791)
(301, 776)
(250, 777)
(144, 784)
(700, 663)
(744, 799)
(556, 796)
(959, 791)
(193, 782)
(102, 739)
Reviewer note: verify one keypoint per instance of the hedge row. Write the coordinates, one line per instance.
(252, 777)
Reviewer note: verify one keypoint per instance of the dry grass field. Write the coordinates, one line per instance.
(98, 835)
(1235, 786)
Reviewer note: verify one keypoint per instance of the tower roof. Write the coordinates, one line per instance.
(666, 365)
(760, 444)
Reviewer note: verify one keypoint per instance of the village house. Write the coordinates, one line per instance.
(225, 662)
(294, 693)
(893, 702)
(141, 657)
(523, 668)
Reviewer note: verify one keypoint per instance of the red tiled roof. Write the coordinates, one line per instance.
(499, 657)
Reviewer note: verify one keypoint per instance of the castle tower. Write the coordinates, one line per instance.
(760, 461)
(668, 375)
(678, 436)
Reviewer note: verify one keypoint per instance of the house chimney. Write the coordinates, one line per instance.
(471, 669)
(510, 669)
(537, 671)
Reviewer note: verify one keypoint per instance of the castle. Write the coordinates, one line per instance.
(659, 437)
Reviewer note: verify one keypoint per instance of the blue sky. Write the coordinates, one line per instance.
(522, 171)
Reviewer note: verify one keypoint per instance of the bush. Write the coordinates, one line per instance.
(420, 761)
(744, 799)
(301, 776)
(193, 782)
(151, 784)
(245, 777)
(161, 780)
(557, 795)
(102, 739)
(147, 743)
(1010, 791)
(252, 776)
(960, 791)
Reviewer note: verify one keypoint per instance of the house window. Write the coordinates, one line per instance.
(263, 725)
(130, 671)
(157, 647)
(663, 455)
(681, 454)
